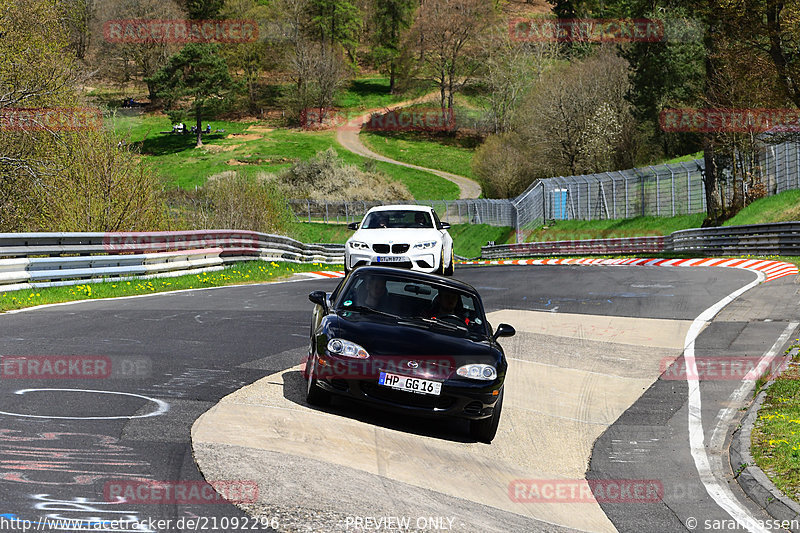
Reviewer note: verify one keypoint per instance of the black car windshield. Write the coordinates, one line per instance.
(397, 219)
(429, 304)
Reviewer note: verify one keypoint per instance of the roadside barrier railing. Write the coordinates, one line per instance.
(30, 260)
(780, 238)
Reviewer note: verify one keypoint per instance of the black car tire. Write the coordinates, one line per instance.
(485, 429)
(451, 268)
(314, 395)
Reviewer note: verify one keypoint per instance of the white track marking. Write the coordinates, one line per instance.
(720, 492)
(163, 407)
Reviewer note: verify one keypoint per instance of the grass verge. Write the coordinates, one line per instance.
(566, 230)
(235, 274)
(782, 207)
(775, 441)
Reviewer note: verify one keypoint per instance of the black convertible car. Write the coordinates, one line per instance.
(409, 342)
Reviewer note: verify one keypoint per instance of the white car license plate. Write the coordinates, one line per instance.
(409, 384)
(390, 259)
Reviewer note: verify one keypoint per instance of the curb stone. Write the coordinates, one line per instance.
(752, 480)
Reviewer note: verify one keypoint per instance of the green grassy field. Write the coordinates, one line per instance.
(373, 93)
(237, 273)
(409, 147)
(249, 147)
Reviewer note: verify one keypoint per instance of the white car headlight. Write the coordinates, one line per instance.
(426, 245)
(358, 245)
(475, 371)
(347, 349)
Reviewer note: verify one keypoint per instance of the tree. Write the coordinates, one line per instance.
(203, 9)
(510, 70)
(197, 73)
(35, 72)
(127, 61)
(335, 22)
(576, 120)
(390, 19)
(318, 73)
(668, 74)
(503, 165)
(250, 59)
(444, 37)
(77, 16)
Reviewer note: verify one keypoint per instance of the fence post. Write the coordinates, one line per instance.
(308, 204)
(613, 193)
(658, 192)
(627, 203)
(672, 184)
(326, 212)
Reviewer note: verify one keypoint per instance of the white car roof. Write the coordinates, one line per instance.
(411, 207)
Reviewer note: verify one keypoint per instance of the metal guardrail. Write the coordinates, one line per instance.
(781, 238)
(655, 244)
(47, 259)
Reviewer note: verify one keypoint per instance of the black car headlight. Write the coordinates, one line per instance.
(347, 349)
(476, 371)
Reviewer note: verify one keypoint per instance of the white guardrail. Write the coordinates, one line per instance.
(29, 260)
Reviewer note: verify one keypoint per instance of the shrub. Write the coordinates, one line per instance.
(325, 177)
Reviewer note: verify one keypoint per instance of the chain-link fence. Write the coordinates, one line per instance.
(659, 190)
(481, 211)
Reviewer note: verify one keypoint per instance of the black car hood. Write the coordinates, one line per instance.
(391, 337)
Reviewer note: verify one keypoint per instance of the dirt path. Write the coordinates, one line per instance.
(347, 136)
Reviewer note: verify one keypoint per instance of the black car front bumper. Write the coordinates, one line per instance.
(458, 398)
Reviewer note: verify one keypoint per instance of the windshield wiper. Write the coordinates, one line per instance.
(442, 323)
(365, 309)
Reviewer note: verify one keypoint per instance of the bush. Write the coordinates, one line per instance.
(325, 177)
(101, 185)
(233, 201)
(502, 166)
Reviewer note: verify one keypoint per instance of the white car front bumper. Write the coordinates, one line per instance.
(420, 260)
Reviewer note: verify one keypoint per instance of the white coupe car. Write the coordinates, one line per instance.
(402, 236)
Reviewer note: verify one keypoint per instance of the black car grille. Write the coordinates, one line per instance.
(395, 248)
(425, 401)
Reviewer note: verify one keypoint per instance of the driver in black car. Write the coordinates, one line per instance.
(375, 295)
(446, 303)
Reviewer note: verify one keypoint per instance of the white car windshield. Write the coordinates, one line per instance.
(397, 219)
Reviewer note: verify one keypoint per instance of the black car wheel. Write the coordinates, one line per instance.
(314, 395)
(485, 429)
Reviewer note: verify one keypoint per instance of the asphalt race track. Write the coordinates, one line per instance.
(584, 400)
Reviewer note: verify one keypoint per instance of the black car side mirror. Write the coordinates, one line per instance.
(504, 330)
(445, 225)
(352, 225)
(319, 298)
